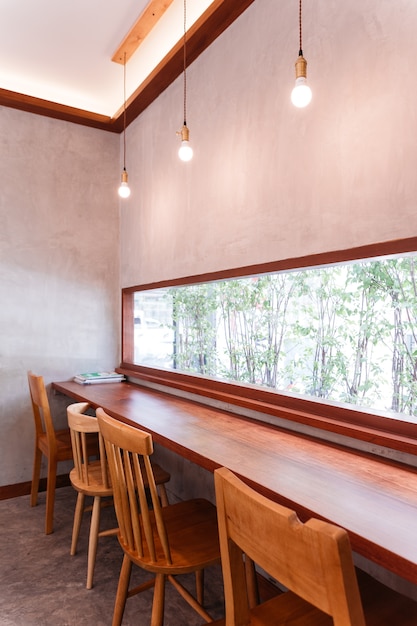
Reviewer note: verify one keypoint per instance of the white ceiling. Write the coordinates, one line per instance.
(61, 50)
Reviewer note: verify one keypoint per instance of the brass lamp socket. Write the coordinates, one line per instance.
(301, 67)
(185, 133)
(124, 176)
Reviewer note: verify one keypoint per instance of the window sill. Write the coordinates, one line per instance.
(375, 429)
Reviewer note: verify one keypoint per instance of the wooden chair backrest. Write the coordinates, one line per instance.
(128, 452)
(41, 409)
(313, 560)
(80, 425)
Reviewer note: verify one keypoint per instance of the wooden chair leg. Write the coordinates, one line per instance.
(35, 476)
(163, 494)
(157, 618)
(188, 597)
(93, 540)
(50, 496)
(251, 582)
(122, 589)
(199, 584)
(78, 514)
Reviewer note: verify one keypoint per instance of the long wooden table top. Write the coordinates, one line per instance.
(374, 499)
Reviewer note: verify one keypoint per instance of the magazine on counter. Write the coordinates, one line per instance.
(91, 378)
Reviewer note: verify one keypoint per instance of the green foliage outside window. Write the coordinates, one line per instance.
(346, 333)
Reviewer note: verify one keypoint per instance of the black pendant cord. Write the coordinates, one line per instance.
(185, 63)
(124, 113)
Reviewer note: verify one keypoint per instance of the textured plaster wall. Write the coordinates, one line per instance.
(59, 267)
(269, 181)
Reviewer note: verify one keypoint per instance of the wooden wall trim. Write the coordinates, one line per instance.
(23, 489)
(54, 110)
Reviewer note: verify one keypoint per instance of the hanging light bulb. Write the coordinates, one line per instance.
(124, 189)
(301, 94)
(185, 151)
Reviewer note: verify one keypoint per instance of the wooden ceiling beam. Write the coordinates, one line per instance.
(140, 29)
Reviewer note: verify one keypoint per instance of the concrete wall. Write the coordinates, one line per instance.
(59, 267)
(269, 181)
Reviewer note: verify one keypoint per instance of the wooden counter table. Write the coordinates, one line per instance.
(374, 499)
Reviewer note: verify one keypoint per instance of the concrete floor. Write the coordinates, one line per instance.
(42, 585)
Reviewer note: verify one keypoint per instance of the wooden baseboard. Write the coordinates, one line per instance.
(23, 489)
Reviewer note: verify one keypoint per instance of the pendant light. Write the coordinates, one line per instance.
(301, 94)
(124, 189)
(185, 151)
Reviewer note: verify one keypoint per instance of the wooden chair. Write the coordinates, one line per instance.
(55, 445)
(166, 541)
(89, 478)
(312, 560)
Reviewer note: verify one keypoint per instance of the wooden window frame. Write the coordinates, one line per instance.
(376, 428)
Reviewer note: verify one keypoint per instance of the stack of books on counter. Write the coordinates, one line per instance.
(93, 378)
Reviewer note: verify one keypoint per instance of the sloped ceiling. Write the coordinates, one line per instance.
(56, 57)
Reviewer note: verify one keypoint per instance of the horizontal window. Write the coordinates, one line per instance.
(333, 345)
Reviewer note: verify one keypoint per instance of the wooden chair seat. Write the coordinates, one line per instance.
(95, 485)
(63, 444)
(166, 541)
(192, 545)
